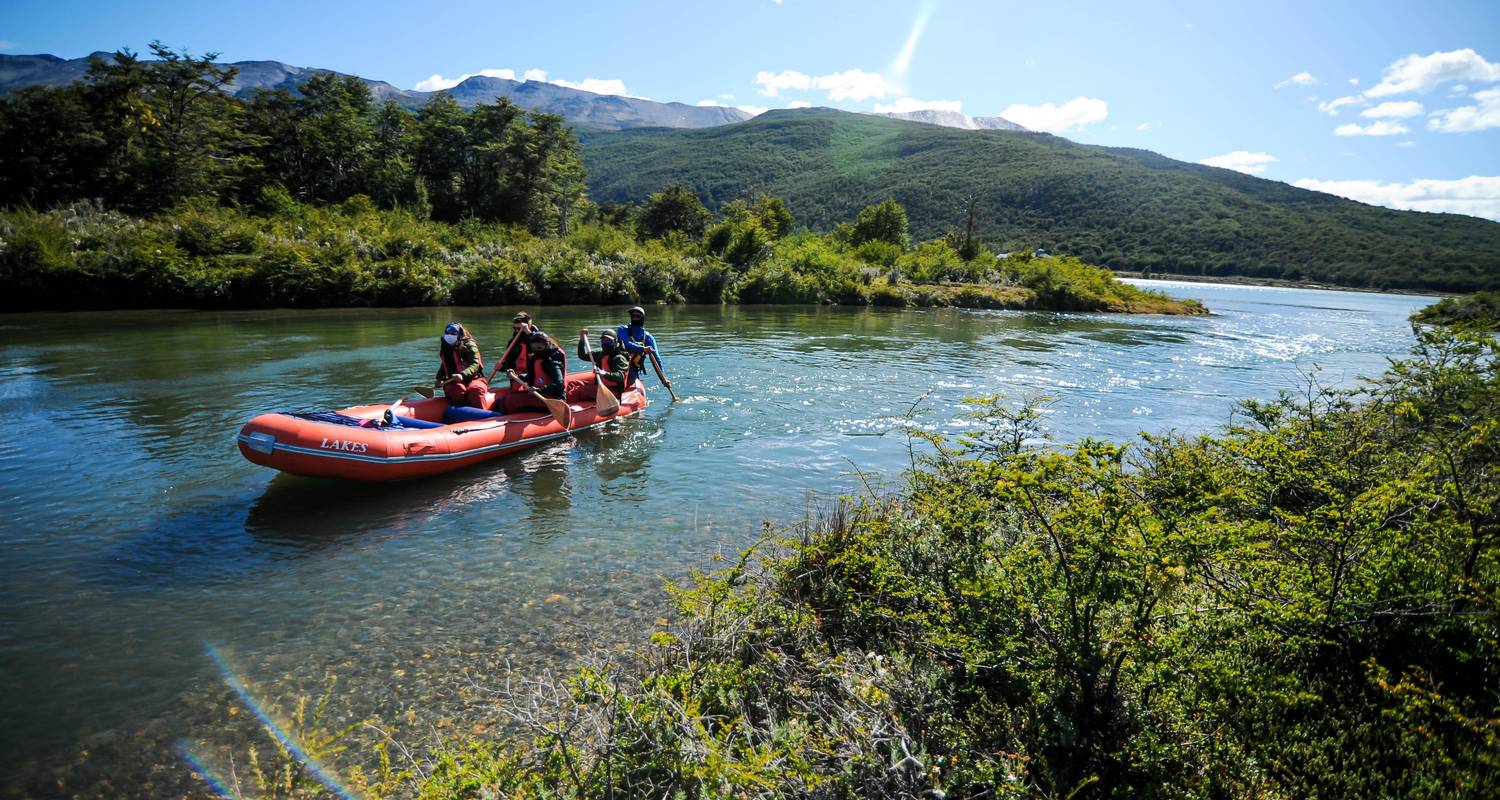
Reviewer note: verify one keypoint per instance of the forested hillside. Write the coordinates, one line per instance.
(1123, 208)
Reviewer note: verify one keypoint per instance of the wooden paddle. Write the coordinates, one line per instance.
(559, 409)
(515, 337)
(656, 364)
(429, 391)
(605, 402)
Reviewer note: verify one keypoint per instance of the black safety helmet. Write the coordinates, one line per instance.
(637, 310)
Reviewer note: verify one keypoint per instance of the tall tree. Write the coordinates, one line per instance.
(884, 222)
(441, 155)
(675, 208)
(392, 180)
(195, 145)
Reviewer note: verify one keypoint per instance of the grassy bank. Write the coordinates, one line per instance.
(1478, 312)
(1299, 606)
(282, 253)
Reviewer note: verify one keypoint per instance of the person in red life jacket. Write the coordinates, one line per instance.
(609, 359)
(518, 357)
(546, 369)
(461, 368)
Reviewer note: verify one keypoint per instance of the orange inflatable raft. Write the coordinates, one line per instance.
(425, 437)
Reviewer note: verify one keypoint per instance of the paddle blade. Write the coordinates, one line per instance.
(605, 400)
(559, 409)
(425, 391)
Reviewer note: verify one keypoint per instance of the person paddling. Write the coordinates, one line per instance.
(518, 357)
(611, 362)
(640, 345)
(545, 370)
(461, 368)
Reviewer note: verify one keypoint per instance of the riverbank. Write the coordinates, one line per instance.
(1244, 280)
(285, 254)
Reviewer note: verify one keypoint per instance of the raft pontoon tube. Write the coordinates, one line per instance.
(426, 437)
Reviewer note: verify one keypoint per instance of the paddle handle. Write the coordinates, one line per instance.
(513, 339)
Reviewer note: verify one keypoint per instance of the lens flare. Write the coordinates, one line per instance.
(277, 730)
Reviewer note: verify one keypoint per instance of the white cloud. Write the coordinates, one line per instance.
(6, 44)
(726, 97)
(851, 84)
(1400, 110)
(1475, 195)
(1072, 115)
(1416, 73)
(535, 74)
(437, 83)
(1381, 128)
(1458, 90)
(1467, 119)
(595, 85)
(1407, 143)
(799, 104)
(1331, 107)
(1242, 161)
(904, 104)
(773, 83)
(753, 111)
(1300, 79)
(708, 103)
(1354, 81)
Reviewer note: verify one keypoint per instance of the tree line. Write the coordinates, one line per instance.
(143, 136)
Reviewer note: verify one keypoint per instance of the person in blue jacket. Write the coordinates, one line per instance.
(639, 344)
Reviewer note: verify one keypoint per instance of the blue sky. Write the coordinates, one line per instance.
(1392, 103)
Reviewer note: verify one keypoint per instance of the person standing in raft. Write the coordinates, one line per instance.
(610, 360)
(545, 370)
(639, 344)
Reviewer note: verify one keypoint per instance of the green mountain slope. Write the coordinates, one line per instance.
(1124, 208)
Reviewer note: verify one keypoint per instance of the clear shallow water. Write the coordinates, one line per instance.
(133, 534)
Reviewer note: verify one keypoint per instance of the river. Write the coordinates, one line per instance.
(147, 565)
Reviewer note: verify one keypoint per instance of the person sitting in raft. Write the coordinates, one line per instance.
(609, 359)
(461, 368)
(639, 344)
(545, 370)
(517, 357)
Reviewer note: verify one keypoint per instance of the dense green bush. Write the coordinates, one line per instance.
(1477, 312)
(291, 254)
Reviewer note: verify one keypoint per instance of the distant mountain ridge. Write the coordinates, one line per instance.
(1124, 208)
(606, 112)
(954, 119)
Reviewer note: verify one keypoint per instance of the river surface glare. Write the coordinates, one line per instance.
(147, 566)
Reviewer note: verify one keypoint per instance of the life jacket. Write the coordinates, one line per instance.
(601, 363)
(637, 360)
(523, 353)
(539, 378)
